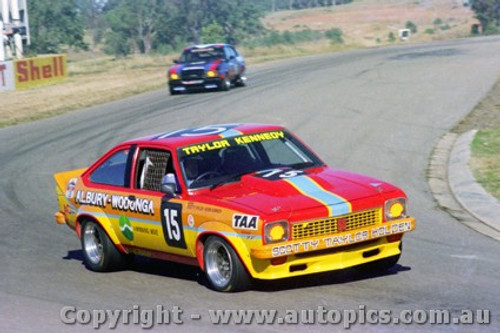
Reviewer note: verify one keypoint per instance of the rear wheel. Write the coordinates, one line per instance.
(99, 252)
(223, 267)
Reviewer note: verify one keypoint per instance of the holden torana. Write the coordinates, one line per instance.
(241, 201)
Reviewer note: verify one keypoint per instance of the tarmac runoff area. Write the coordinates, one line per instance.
(455, 188)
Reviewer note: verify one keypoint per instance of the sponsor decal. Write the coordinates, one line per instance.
(190, 220)
(214, 145)
(70, 188)
(6, 76)
(30, 72)
(246, 222)
(119, 202)
(340, 240)
(126, 227)
(241, 140)
(231, 139)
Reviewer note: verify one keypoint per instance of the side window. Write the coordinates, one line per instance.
(112, 171)
(152, 165)
(229, 52)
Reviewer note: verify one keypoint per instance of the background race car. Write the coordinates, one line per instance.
(240, 201)
(205, 67)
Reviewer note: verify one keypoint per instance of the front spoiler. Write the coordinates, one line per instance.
(308, 245)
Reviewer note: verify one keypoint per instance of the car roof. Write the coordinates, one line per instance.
(204, 46)
(195, 135)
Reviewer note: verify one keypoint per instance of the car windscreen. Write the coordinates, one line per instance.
(226, 160)
(202, 55)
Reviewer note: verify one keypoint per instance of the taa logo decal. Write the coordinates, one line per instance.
(247, 222)
(126, 228)
(171, 220)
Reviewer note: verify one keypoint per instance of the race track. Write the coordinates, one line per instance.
(378, 112)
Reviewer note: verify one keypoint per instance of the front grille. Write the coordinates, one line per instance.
(330, 225)
(192, 74)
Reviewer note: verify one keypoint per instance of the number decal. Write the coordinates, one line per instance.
(276, 174)
(200, 131)
(171, 220)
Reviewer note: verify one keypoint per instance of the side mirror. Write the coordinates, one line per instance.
(169, 184)
(176, 61)
(168, 188)
(232, 57)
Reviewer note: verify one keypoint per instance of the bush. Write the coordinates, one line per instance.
(445, 27)
(391, 37)
(438, 21)
(335, 35)
(429, 31)
(412, 26)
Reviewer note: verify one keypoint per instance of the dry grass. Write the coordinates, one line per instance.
(365, 23)
(368, 22)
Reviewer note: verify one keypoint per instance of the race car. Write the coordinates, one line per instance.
(240, 201)
(207, 67)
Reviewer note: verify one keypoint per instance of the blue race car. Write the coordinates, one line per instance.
(206, 67)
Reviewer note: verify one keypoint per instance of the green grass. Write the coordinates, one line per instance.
(486, 160)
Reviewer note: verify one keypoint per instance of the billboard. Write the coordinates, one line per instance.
(6, 76)
(31, 72)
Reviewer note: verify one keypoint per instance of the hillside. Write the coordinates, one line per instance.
(369, 22)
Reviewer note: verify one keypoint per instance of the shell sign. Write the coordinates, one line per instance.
(31, 72)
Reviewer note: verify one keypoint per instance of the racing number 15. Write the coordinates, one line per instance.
(171, 220)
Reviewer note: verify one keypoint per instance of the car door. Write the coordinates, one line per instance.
(165, 230)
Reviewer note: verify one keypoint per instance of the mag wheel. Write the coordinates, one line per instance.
(99, 253)
(223, 267)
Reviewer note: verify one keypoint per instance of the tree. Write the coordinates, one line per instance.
(488, 14)
(212, 33)
(54, 23)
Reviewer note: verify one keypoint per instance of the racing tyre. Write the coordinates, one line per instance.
(223, 267)
(225, 85)
(173, 92)
(99, 252)
(241, 81)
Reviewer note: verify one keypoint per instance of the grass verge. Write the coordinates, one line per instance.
(486, 160)
(485, 157)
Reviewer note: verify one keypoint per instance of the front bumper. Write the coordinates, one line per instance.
(328, 253)
(199, 84)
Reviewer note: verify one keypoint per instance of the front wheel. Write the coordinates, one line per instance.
(99, 252)
(223, 267)
(225, 84)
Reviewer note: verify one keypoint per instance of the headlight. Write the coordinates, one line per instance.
(174, 76)
(275, 232)
(395, 208)
(211, 73)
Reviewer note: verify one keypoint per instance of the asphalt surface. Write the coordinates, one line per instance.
(378, 112)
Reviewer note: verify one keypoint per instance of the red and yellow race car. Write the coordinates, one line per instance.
(240, 201)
